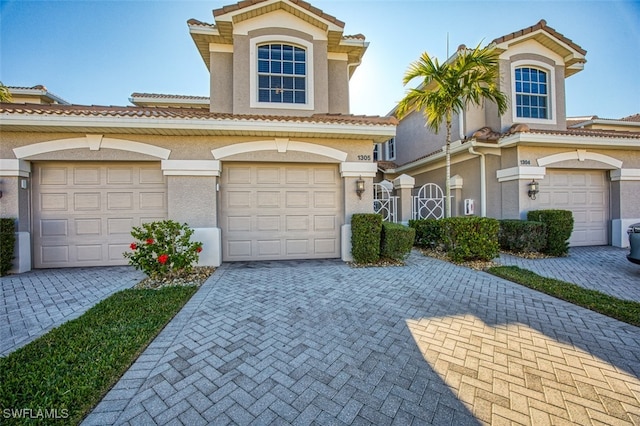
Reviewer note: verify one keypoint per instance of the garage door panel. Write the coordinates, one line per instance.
(152, 200)
(89, 201)
(281, 221)
(55, 202)
(585, 194)
(297, 199)
(88, 226)
(267, 223)
(82, 222)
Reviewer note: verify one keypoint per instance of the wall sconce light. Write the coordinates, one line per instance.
(360, 187)
(534, 188)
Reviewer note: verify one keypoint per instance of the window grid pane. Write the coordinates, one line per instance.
(531, 93)
(282, 73)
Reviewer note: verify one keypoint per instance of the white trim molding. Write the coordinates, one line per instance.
(13, 167)
(580, 155)
(456, 182)
(190, 167)
(404, 181)
(93, 143)
(253, 72)
(356, 169)
(551, 92)
(625, 174)
(281, 145)
(524, 172)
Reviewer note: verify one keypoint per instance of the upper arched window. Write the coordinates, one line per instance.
(532, 93)
(282, 73)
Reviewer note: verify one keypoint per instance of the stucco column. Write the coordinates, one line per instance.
(192, 198)
(457, 203)
(351, 172)
(403, 185)
(16, 187)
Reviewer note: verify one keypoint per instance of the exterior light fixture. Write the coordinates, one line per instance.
(534, 188)
(360, 187)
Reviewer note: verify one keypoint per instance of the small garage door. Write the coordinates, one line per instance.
(280, 211)
(83, 212)
(586, 194)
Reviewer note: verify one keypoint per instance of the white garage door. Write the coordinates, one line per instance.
(280, 211)
(586, 194)
(84, 212)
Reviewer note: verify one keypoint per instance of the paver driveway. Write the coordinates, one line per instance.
(427, 343)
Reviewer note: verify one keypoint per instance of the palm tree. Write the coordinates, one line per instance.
(469, 77)
(5, 95)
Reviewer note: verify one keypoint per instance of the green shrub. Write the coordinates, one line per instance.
(397, 240)
(163, 248)
(522, 236)
(559, 228)
(428, 232)
(470, 238)
(366, 230)
(7, 244)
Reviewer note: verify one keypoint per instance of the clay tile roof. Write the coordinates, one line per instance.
(634, 118)
(386, 165)
(193, 21)
(541, 25)
(164, 96)
(354, 37)
(300, 3)
(589, 132)
(182, 113)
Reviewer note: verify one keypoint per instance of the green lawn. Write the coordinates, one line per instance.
(73, 366)
(623, 310)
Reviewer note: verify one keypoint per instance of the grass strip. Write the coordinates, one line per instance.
(73, 366)
(624, 310)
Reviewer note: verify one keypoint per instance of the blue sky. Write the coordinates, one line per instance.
(99, 52)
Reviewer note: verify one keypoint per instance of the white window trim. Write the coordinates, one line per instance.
(387, 153)
(551, 91)
(253, 72)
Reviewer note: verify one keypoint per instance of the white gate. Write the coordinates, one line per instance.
(429, 203)
(384, 203)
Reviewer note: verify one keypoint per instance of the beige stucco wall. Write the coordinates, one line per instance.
(192, 199)
(221, 82)
(338, 87)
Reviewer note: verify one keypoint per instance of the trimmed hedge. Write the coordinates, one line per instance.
(428, 232)
(397, 240)
(7, 244)
(522, 236)
(559, 228)
(470, 238)
(366, 230)
(463, 238)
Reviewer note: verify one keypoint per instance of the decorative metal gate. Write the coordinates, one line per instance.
(429, 203)
(384, 203)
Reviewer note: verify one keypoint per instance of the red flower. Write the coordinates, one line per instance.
(198, 249)
(149, 240)
(133, 246)
(163, 258)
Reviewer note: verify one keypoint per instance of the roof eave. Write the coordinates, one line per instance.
(376, 132)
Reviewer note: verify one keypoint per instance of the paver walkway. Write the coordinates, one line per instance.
(602, 268)
(427, 343)
(34, 302)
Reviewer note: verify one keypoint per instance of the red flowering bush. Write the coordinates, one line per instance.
(163, 248)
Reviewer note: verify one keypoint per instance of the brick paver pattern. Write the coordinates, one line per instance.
(34, 302)
(512, 373)
(428, 343)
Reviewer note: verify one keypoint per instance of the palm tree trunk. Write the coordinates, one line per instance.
(447, 182)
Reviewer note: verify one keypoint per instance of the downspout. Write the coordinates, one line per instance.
(483, 182)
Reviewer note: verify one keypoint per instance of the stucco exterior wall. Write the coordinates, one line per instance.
(221, 82)
(192, 199)
(338, 85)
(414, 140)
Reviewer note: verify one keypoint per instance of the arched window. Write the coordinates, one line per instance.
(532, 93)
(282, 73)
